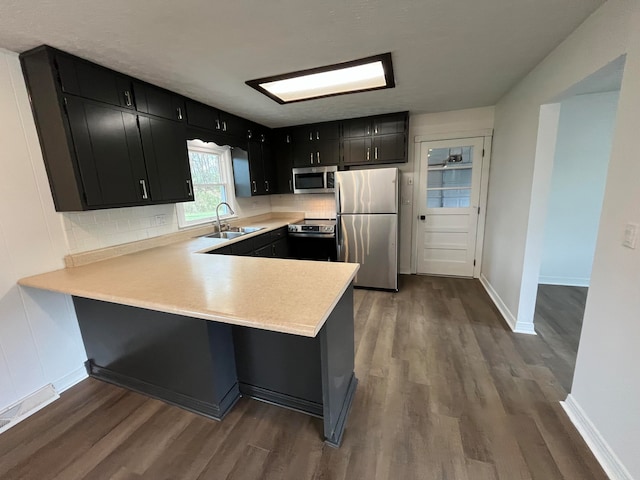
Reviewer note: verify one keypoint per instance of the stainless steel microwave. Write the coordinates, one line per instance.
(314, 179)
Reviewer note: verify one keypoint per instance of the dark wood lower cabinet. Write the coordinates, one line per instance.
(204, 366)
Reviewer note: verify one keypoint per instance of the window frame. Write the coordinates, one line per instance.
(228, 181)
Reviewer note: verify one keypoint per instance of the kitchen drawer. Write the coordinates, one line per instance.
(262, 240)
(278, 234)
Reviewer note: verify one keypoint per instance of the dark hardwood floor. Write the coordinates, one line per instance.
(558, 322)
(446, 392)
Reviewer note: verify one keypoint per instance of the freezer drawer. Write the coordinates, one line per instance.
(371, 241)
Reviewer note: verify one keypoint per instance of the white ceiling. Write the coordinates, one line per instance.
(447, 54)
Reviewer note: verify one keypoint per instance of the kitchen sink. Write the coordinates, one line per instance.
(245, 229)
(227, 235)
(234, 232)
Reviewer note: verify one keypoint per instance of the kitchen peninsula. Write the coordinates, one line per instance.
(200, 330)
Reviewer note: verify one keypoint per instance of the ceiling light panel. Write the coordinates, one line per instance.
(372, 73)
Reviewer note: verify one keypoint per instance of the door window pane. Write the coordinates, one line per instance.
(453, 177)
(453, 198)
(450, 156)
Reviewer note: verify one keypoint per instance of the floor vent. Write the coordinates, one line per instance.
(28, 406)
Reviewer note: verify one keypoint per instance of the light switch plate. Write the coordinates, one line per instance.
(630, 235)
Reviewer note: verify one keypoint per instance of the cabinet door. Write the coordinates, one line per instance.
(388, 124)
(199, 115)
(327, 131)
(283, 161)
(269, 168)
(109, 154)
(389, 148)
(357, 127)
(328, 151)
(165, 151)
(94, 82)
(356, 150)
(231, 125)
(281, 248)
(256, 168)
(159, 102)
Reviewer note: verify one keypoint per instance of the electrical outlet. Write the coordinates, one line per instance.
(159, 220)
(630, 235)
(409, 180)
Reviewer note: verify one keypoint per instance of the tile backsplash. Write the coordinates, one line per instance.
(320, 205)
(105, 228)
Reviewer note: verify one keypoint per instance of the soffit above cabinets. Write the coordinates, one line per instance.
(447, 54)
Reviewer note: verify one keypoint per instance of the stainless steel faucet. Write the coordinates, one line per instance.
(218, 215)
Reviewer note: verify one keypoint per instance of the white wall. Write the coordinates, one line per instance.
(40, 341)
(606, 384)
(585, 133)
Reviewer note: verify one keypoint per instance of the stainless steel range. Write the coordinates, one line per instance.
(314, 228)
(313, 239)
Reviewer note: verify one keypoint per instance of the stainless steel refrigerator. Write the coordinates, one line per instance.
(367, 225)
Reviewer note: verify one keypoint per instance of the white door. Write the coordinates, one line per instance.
(450, 179)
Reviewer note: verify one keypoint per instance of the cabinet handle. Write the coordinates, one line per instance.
(266, 185)
(311, 154)
(317, 135)
(375, 153)
(249, 134)
(263, 138)
(218, 126)
(310, 136)
(255, 188)
(224, 126)
(179, 113)
(318, 156)
(190, 188)
(127, 98)
(368, 130)
(368, 153)
(288, 139)
(290, 186)
(145, 195)
(375, 129)
(273, 250)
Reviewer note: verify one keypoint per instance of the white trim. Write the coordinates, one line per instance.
(29, 405)
(227, 173)
(484, 195)
(607, 458)
(565, 281)
(500, 305)
(70, 379)
(434, 137)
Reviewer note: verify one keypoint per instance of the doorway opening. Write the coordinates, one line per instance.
(572, 158)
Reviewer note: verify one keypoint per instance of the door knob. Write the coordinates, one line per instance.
(423, 217)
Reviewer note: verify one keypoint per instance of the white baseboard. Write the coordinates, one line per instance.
(26, 407)
(526, 328)
(565, 281)
(70, 379)
(609, 461)
(500, 305)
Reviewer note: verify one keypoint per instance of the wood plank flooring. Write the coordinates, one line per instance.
(558, 322)
(446, 392)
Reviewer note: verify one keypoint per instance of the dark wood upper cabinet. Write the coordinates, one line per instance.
(109, 154)
(256, 174)
(85, 79)
(379, 139)
(316, 144)
(283, 160)
(165, 151)
(200, 115)
(99, 151)
(159, 102)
